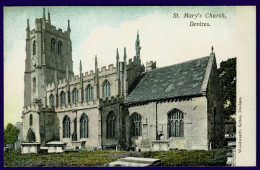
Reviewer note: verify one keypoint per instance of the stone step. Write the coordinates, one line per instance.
(135, 162)
(229, 161)
(127, 164)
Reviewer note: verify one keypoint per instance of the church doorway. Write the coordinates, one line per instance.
(31, 136)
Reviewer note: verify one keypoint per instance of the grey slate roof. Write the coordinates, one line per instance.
(184, 79)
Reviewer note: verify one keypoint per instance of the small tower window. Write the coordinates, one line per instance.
(59, 47)
(53, 42)
(89, 93)
(106, 89)
(34, 84)
(31, 120)
(34, 47)
(51, 100)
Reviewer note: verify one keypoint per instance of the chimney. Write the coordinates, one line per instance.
(150, 65)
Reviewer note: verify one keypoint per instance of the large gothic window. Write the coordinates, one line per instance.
(75, 96)
(31, 120)
(84, 126)
(89, 93)
(51, 100)
(34, 84)
(59, 47)
(66, 127)
(175, 123)
(106, 89)
(34, 47)
(31, 136)
(62, 98)
(135, 125)
(53, 42)
(111, 126)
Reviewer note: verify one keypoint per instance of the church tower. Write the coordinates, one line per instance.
(47, 50)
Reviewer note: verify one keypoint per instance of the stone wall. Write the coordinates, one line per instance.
(49, 127)
(35, 125)
(94, 131)
(108, 142)
(215, 107)
(195, 122)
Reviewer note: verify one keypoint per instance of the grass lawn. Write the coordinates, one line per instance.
(100, 158)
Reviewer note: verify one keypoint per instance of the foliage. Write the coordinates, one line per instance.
(100, 158)
(10, 134)
(190, 158)
(227, 74)
(81, 158)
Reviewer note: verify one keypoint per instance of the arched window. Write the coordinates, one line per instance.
(51, 100)
(62, 98)
(135, 125)
(34, 84)
(111, 126)
(34, 47)
(75, 96)
(31, 136)
(53, 42)
(106, 89)
(59, 47)
(31, 120)
(84, 126)
(66, 127)
(175, 123)
(89, 93)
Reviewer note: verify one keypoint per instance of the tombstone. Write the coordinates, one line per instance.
(135, 162)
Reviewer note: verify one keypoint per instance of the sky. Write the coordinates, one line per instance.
(101, 30)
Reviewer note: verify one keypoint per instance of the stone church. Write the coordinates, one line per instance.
(126, 105)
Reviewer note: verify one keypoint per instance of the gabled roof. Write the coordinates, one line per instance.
(179, 80)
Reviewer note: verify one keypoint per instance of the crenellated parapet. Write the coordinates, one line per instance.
(62, 81)
(34, 107)
(87, 74)
(111, 100)
(43, 24)
(58, 32)
(50, 86)
(107, 70)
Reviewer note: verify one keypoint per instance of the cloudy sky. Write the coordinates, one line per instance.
(100, 30)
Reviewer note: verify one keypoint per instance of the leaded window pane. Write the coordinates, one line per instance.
(66, 127)
(51, 100)
(111, 125)
(89, 93)
(84, 126)
(175, 123)
(135, 125)
(62, 98)
(75, 96)
(53, 42)
(106, 89)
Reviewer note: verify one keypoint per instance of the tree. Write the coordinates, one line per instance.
(10, 134)
(227, 74)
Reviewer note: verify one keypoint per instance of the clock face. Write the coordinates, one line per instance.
(34, 61)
